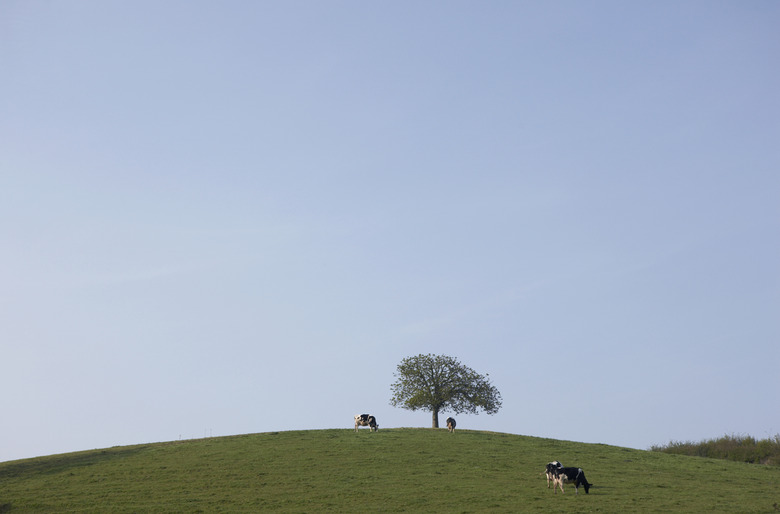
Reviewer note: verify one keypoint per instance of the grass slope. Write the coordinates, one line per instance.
(392, 470)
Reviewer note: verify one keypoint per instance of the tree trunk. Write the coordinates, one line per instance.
(435, 418)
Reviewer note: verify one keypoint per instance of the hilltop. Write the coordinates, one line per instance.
(392, 470)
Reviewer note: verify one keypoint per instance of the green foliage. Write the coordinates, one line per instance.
(440, 383)
(734, 447)
(393, 470)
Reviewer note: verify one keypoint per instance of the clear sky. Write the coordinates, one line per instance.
(232, 217)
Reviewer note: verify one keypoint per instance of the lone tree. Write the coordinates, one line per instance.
(441, 383)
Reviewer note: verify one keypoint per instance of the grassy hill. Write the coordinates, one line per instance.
(412, 470)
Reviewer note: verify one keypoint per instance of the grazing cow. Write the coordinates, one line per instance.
(573, 475)
(366, 420)
(550, 472)
(451, 424)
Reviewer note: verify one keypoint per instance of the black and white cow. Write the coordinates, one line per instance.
(550, 471)
(451, 424)
(570, 475)
(366, 420)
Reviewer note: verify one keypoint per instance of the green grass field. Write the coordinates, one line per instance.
(393, 470)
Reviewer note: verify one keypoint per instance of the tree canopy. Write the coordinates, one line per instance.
(438, 383)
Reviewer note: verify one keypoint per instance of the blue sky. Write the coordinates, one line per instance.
(234, 217)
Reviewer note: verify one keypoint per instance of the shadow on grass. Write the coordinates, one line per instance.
(60, 463)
